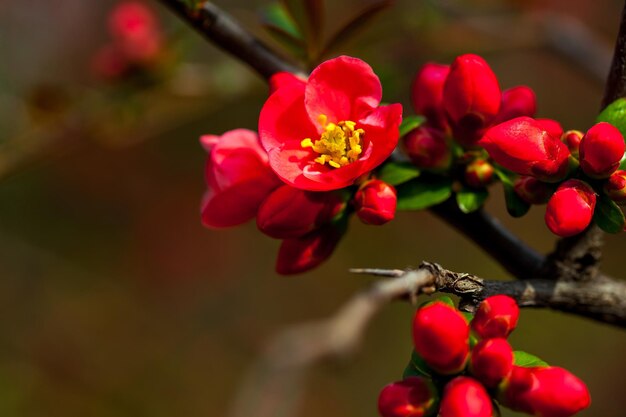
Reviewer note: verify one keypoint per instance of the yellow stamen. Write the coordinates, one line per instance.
(339, 145)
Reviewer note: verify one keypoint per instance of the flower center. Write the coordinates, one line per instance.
(339, 145)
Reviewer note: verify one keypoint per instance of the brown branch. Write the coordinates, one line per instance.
(274, 384)
(226, 33)
(616, 81)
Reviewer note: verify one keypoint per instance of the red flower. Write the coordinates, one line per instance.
(546, 392)
(238, 176)
(491, 361)
(412, 397)
(570, 208)
(615, 187)
(324, 133)
(465, 397)
(471, 98)
(496, 317)
(601, 149)
(290, 212)
(441, 337)
(375, 202)
(516, 102)
(136, 31)
(304, 253)
(281, 79)
(427, 93)
(524, 146)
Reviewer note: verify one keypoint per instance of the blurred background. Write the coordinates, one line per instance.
(115, 301)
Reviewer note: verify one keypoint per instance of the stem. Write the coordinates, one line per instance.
(226, 33)
(616, 81)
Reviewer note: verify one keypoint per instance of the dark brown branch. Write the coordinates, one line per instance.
(226, 33)
(616, 81)
(515, 256)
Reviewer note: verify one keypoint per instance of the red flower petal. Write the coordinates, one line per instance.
(343, 89)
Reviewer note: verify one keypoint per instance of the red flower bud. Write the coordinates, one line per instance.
(441, 337)
(532, 190)
(307, 252)
(615, 187)
(465, 397)
(427, 93)
(491, 361)
(375, 202)
(109, 63)
(290, 212)
(496, 317)
(471, 98)
(553, 127)
(570, 208)
(572, 139)
(427, 149)
(524, 146)
(238, 176)
(136, 31)
(479, 173)
(516, 102)
(412, 397)
(546, 392)
(601, 149)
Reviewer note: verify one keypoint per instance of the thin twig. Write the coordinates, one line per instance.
(226, 33)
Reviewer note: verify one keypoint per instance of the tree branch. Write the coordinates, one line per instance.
(515, 256)
(273, 385)
(616, 81)
(226, 33)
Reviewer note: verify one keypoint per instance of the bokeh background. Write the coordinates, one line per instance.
(115, 301)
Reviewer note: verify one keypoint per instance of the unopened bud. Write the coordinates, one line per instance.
(441, 337)
(532, 190)
(615, 187)
(570, 208)
(465, 397)
(375, 202)
(427, 149)
(412, 397)
(516, 102)
(491, 361)
(572, 139)
(601, 150)
(427, 93)
(479, 173)
(307, 252)
(496, 317)
(553, 127)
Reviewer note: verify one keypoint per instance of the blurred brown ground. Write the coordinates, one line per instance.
(115, 301)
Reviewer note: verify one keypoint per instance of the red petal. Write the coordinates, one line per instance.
(343, 89)
(381, 134)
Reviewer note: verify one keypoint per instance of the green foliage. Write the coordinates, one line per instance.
(424, 192)
(608, 216)
(410, 122)
(469, 199)
(416, 367)
(515, 206)
(396, 173)
(615, 113)
(527, 360)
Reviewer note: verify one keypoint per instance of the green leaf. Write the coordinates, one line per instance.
(277, 17)
(622, 163)
(355, 23)
(615, 113)
(608, 216)
(470, 200)
(423, 192)
(514, 204)
(417, 367)
(396, 173)
(507, 177)
(526, 360)
(409, 123)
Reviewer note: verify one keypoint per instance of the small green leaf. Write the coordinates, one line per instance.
(507, 177)
(608, 216)
(622, 163)
(417, 367)
(526, 360)
(276, 16)
(409, 123)
(615, 113)
(514, 204)
(470, 200)
(396, 173)
(423, 192)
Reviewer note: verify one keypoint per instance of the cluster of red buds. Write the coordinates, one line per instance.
(465, 367)
(136, 45)
(471, 126)
(310, 165)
